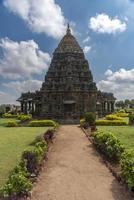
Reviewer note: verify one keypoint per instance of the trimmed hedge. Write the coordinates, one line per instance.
(9, 115)
(113, 117)
(42, 123)
(127, 168)
(109, 145)
(121, 114)
(24, 118)
(12, 124)
(104, 122)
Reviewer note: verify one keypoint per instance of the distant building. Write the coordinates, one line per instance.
(68, 90)
(5, 108)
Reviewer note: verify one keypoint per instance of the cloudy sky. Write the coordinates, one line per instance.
(30, 30)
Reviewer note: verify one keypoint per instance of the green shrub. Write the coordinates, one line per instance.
(127, 168)
(12, 124)
(113, 117)
(21, 167)
(49, 135)
(40, 150)
(33, 157)
(9, 115)
(90, 118)
(104, 122)
(131, 119)
(121, 114)
(17, 183)
(83, 123)
(24, 117)
(42, 123)
(39, 138)
(109, 145)
(122, 111)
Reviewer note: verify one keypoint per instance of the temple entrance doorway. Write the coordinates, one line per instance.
(69, 109)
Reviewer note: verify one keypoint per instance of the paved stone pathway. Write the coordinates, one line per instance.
(75, 171)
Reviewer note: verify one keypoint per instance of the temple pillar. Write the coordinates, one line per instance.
(29, 106)
(108, 107)
(22, 106)
(105, 107)
(112, 106)
(33, 107)
(25, 110)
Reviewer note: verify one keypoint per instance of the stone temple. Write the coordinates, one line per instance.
(68, 90)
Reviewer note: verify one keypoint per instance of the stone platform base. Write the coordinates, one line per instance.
(60, 121)
(69, 121)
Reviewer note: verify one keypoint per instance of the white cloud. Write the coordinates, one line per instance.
(6, 98)
(2, 93)
(86, 49)
(102, 23)
(22, 59)
(108, 72)
(15, 88)
(120, 82)
(42, 16)
(23, 86)
(87, 39)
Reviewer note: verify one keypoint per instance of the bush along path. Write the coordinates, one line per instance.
(21, 179)
(119, 160)
(75, 171)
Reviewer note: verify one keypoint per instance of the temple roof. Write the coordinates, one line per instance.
(68, 44)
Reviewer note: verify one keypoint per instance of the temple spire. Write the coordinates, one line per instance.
(68, 29)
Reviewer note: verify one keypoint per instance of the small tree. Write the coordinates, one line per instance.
(90, 118)
(131, 119)
(120, 104)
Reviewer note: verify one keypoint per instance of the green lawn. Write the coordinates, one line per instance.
(12, 143)
(124, 133)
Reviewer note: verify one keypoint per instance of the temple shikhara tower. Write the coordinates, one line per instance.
(68, 90)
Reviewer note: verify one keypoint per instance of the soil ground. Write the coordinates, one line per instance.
(75, 171)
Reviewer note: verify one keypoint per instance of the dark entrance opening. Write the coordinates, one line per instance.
(69, 108)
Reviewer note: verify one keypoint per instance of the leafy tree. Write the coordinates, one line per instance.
(2, 110)
(120, 104)
(127, 102)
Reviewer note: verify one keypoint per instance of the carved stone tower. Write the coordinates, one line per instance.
(68, 90)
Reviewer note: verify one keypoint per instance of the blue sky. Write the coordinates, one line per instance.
(30, 30)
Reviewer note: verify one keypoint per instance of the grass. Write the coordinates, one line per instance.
(13, 141)
(4, 121)
(124, 133)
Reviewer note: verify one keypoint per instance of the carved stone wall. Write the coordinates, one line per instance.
(68, 90)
